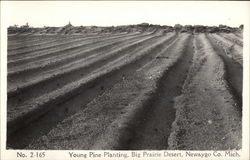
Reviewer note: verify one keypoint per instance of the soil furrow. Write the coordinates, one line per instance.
(27, 43)
(57, 43)
(76, 70)
(229, 43)
(40, 41)
(60, 43)
(231, 49)
(46, 55)
(20, 40)
(234, 72)
(228, 37)
(155, 127)
(125, 87)
(59, 47)
(33, 64)
(206, 117)
(72, 74)
(239, 35)
(89, 86)
(117, 119)
(234, 36)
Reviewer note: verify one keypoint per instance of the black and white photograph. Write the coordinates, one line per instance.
(125, 79)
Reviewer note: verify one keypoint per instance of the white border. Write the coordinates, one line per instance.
(51, 154)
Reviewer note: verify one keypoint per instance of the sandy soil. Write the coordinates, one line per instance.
(140, 91)
(206, 116)
(232, 49)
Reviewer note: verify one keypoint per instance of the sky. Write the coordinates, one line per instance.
(110, 13)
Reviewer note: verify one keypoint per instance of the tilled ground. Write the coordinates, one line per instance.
(207, 116)
(149, 90)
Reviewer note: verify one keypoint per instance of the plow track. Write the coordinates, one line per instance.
(64, 83)
(206, 109)
(58, 46)
(233, 38)
(59, 75)
(231, 49)
(36, 42)
(234, 73)
(26, 42)
(49, 58)
(153, 131)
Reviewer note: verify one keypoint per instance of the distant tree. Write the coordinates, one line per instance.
(26, 25)
(177, 27)
(241, 26)
(144, 24)
(222, 26)
(14, 26)
(69, 25)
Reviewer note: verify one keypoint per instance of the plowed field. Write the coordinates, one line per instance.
(150, 90)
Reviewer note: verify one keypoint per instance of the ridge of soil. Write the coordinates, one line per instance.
(233, 73)
(155, 127)
(206, 116)
(135, 87)
(104, 81)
